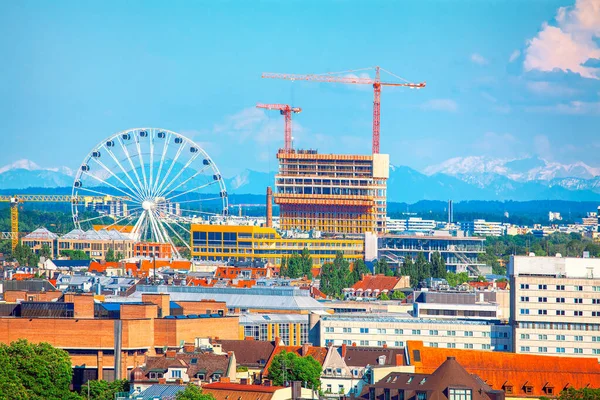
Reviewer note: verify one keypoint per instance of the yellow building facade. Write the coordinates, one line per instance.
(240, 242)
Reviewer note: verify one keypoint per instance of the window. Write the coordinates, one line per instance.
(542, 287)
(459, 394)
(347, 330)
(381, 343)
(596, 288)
(528, 389)
(542, 299)
(595, 301)
(451, 333)
(560, 299)
(433, 332)
(560, 312)
(578, 301)
(525, 348)
(451, 345)
(371, 393)
(508, 389)
(524, 298)
(542, 312)
(524, 286)
(347, 342)
(524, 335)
(364, 330)
(524, 311)
(595, 338)
(433, 344)
(595, 313)
(421, 395)
(364, 342)
(560, 349)
(416, 331)
(578, 338)
(468, 345)
(560, 287)
(578, 288)
(399, 331)
(542, 349)
(381, 331)
(578, 313)
(578, 351)
(399, 344)
(560, 337)
(176, 373)
(329, 329)
(596, 351)
(486, 347)
(468, 333)
(542, 337)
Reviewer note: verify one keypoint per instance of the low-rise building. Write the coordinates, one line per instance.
(372, 286)
(95, 244)
(40, 237)
(481, 227)
(291, 329)
(393, 330)
(474, 305)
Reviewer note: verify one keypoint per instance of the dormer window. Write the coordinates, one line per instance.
(528, 388)
(508, 388)
(549, 390)
(460, 394)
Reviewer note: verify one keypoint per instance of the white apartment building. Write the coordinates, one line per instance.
(480, 305)
(414, 224)
(555, 305)
(481, 227)
(393, 330)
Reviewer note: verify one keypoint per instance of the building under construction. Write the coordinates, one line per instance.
(331, 193)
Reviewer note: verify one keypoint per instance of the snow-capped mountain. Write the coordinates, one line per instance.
(478, 169)
(25, 173)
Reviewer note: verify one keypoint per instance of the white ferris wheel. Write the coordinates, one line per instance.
(150, 183)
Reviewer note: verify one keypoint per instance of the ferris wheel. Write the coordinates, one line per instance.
(150, 184)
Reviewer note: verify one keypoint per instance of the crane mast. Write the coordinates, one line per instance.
(285, 110)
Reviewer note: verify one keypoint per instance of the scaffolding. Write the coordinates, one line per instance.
(332, 193)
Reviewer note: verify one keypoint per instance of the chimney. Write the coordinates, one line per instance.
(296, 390)
(269, 207)
(344, 350)
(224, 379)
(189, 348)
(305, 347)
(170, 354)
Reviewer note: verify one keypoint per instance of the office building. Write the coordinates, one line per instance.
(38, 238)
(95, 244)
(481, 227)
(475, 305)
(249, 243)
(291, 329)
(332, 193)
(459, 253)
(393, 330)
(555, 305)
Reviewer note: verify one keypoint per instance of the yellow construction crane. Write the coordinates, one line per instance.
(46, 198)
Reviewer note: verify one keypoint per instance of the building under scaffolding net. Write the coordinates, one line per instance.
(47, 309)
(332, 193)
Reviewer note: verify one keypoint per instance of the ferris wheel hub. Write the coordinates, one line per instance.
(148, 205)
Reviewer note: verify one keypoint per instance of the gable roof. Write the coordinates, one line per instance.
(496, 368)
(318, 353)
(205, 363)
(228, 391)
(249, 353)
(376, 282)
(362, 356)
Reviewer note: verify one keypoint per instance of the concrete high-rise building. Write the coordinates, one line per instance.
(332, 193)
(555, 305)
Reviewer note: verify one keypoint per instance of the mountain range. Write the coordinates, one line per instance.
(461, 178)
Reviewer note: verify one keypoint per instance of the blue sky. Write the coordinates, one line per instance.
(504, 78)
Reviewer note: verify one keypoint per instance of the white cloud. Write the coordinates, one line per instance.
(478, 59)
(254, 124)
(571, 108)
(549, 88)
(514, 55)
(440, 105)
(570, 44)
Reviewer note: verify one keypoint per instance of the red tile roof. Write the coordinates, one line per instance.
(318, 353)
(376, 282)
(499, 368)
(237, 387)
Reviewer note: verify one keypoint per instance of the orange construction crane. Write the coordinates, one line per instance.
(286, 111)
(376, 82)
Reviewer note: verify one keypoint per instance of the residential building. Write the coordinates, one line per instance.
(460, 253)
(555, 305)
(332, 193)
(249, 353)
(372, 286)
(450, 381)
(415, 224)
(189, 365)
(152, 250)
(393, 330)
(307, 349)
(481, 227)
(516, 375)
(231, 391)
(475, 305)
(249, 243)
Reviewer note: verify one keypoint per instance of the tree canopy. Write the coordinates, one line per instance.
(577, 394)
(288, 367)
(34, 371)
(193, 392)
(103, 390)
(297, 266)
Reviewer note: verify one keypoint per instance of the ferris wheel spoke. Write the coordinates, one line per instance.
(120, 220)
(151, 136)
(173, 162)
(142, 166)
(176, 233)
(124, 171)
(165, 233)
(141, 187)
(91, 219)
(193, 190)
(154, 228)
(181, 170)
(138, 224)
(108, 184)
(167, 138)
(201, 170)
(133, 193)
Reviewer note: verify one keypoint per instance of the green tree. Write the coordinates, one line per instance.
(193, 392)
(577, 394)
(103, 390)
(335, 276)
(75, 254)
(46, 252)
(382, 267)
(185, 254)
(283, 272)
(289, 367)
(409, 269)
(423, 269)
(398, 295)
(110, 255)
(457, 279)
(34, 371)
(438, 266)
(358, 269)
(384, 296)
(306, 263)
(22, 254)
